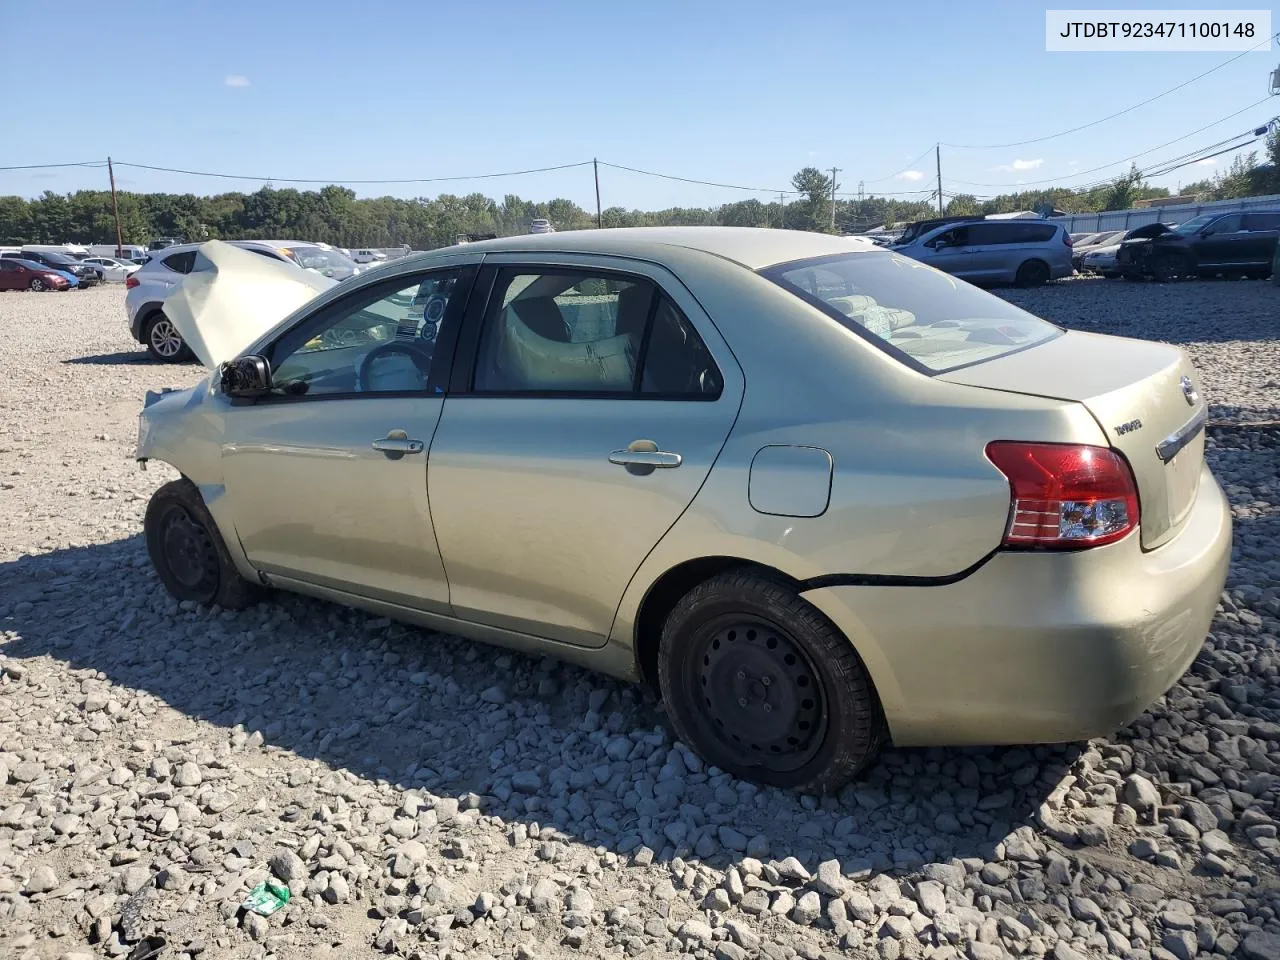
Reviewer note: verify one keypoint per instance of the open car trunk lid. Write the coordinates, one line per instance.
(1144, 395)
(232, 296)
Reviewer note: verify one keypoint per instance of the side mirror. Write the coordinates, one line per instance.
(245, 377)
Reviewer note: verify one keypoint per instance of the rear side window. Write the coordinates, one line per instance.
(1262, 221)
(577, 332)
(926, 318)
(180, 262)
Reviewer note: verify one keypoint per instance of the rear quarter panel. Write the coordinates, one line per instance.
(912, 492)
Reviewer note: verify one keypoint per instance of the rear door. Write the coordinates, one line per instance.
(589, 400)
(1262, 230)
(12, 276)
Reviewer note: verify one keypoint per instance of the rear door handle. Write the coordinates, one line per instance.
(396, 444)
(642, 457)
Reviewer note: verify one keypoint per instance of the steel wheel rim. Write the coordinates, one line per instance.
(165, 338)
(758, 694)
(189, 552)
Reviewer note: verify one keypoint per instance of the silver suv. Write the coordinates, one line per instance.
(1025, 252)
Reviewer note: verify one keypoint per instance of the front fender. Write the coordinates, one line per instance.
(184, 429)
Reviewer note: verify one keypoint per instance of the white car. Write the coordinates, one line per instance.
(112, 270)
(368, 256)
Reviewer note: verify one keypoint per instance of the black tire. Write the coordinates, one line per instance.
(189, 554)
(1166, 267)
(1033, 273)
(37, 285)
(164, 344)
(742, 643)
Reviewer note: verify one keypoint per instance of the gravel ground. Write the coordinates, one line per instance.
(429, 797)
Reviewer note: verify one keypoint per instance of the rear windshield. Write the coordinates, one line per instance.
(924, 317)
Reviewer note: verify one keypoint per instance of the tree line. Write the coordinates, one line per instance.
(335, 215)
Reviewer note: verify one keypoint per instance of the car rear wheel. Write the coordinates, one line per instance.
(188, 552)
(38, 285)
(163, 341)
(762, 685)
(1033, 273)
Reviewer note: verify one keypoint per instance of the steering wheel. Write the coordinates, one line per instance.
(420, 352)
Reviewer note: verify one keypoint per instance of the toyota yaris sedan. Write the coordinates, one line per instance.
(820, 495)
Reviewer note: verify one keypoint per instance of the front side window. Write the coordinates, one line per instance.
(927, 318)
(378, 341)
(578, 332)
(1228, 224)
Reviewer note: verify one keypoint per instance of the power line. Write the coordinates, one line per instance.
(1118, 113)
(705, 183)
(1114, 163)
(50, 166)
(232, 176)
(909, 166)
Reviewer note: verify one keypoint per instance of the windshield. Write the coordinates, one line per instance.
(60, 258)
(317, 258)
(1195, 223)
(924, 317)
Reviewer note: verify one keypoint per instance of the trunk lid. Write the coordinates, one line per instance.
(1146, 398)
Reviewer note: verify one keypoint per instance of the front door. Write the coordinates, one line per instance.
(328, 475)
(1225, 244)
(588, 404)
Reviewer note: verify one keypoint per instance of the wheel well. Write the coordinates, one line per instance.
(666, 593)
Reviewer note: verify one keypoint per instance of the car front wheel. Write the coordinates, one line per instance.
(163, 341)
(38, 285)
(762, 685)
(189, 554)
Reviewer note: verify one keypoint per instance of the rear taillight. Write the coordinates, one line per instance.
(1065, 496)
(131, 282)
(1066, 238)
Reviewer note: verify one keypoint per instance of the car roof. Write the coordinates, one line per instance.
(751, 247)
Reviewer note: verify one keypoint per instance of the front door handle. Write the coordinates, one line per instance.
(396, 444)
(642, 457)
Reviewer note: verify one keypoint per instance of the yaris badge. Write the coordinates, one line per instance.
(1189, 391)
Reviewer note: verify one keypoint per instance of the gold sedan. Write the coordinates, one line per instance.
(821, 496)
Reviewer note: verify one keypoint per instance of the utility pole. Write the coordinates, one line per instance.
(834, 171)
(115, 208)
(782, 212)
(938, 154)
(599, 216)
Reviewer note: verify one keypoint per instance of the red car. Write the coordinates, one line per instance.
(27, 275)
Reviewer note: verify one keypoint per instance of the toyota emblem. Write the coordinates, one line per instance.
(1189, 391)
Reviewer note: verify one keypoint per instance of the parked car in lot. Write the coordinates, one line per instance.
(1025, 252)
(1094, 241)
(368, 256)
(86, 275)
(18, 274)
(1212, 243)
(1102, 259)
(919, 514)
(111, 269)
(129, 252)
(165, 268)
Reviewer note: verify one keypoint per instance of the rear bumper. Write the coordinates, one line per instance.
(1041, 647)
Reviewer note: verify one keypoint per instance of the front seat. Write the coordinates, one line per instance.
(542, 315)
